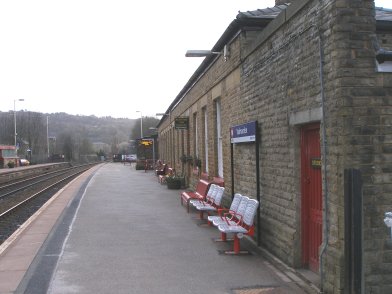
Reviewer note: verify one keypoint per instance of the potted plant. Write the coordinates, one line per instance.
(186, 158)
(197, 162)
(174, 181)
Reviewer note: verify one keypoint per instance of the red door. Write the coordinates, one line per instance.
(311, 196)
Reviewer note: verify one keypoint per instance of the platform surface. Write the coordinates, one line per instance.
(120, 231)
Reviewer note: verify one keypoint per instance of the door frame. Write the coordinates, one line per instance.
(305, 196)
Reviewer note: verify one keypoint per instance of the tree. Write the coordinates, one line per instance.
(67, 146)
(32, 135)
(7, 128)
(86, 147)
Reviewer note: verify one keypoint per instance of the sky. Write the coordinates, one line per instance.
(107, 57)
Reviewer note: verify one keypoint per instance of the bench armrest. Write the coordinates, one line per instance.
(205, 202)
(233, 215)
(222, 210)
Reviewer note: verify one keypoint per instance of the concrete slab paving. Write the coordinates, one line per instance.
(126, 233)
(18, 252)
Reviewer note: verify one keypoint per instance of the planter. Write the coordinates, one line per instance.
(174, 184)
(139, 166)
(185, 158)
(197, 162)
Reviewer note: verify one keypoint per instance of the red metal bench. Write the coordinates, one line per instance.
(232, 216)
(168, 172)
(227, 213)
(212, 203)
(162, 170)
(244, 226)
(199, 193)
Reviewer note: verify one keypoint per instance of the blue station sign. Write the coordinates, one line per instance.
(243, 133)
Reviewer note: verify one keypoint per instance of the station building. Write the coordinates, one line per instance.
(8, 156)
(314, 78)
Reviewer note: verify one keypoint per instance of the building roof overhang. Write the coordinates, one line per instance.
(258, 20)
(245, 21)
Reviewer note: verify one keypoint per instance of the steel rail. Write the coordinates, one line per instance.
(43, 176)
(5, 213)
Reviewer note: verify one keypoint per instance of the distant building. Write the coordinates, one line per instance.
(8, 156)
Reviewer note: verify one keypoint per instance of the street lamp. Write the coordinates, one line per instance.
(204, 53)
(153, 144)
(47, 133)
(141, 123)
(15, 133)
(200, 53)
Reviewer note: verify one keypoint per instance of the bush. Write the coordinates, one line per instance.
(175, 182)
(139, 166)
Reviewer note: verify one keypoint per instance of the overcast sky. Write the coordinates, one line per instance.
(107, 57)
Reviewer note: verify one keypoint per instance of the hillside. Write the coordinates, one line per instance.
(96, 129)
(32, 125)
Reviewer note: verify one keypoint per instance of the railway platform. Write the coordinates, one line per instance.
(117, 230)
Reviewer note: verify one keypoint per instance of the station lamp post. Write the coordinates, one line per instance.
(153, 144)
(205, 53)
(141, 123)
(15, 133)
(47, 134)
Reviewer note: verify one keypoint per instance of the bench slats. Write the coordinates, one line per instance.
(245, 226)
(200, 193)
(212, 203)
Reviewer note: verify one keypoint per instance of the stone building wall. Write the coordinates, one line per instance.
(219, 82)
(362, 116)
(274, 77)
(280, 78)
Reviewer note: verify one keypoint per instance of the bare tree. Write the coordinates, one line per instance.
(65, 143)
(7, 128)
(32, 135)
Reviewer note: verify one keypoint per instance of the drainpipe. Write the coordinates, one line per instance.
(324, 153)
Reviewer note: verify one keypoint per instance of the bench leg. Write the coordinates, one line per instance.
(236, 244)
(187, 203)
(236, 248)
(223, 238)
(208, 222)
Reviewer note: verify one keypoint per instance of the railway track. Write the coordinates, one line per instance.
(20, 199)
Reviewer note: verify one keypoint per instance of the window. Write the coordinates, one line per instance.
(384, 60)
(384, 67)
(205, 139)
(196, 136)
(219, 139)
